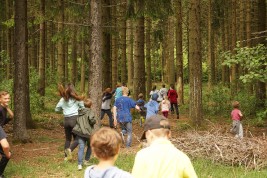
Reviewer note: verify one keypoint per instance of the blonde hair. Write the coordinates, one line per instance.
(105, 143)
(125, 90)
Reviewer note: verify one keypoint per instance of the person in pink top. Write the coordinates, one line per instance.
(165, 106)
(173, 96)
(236, 115)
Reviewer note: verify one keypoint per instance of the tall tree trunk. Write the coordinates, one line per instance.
(95, 80)
(83, 66)
(60, 45)
(211, 60)
(234, 67)
(33, 46)
(164, 52)
(51, 49)
(148, 57)
(114, 46)
(179, 53)
(74, 56)
(226, 32)
(21, 77)
(66, 60)
(122, 27)
(195, 64)
(129, 45)
(170, 70)
(139, 62)
(261, 86)
(106, 44)
(41, 88)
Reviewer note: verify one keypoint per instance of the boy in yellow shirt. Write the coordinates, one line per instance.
(161, 159)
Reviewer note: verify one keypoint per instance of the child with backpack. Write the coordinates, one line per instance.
(165, 106)
(141, 102)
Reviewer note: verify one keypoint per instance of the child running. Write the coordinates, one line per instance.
(141, 102)
(152, 107)
(105, 107)
(173, 96)
(105, 144)
(165, 106)
(82, 130)
(236, 115)
(69, 103)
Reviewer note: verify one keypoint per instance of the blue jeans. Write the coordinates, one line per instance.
(127, 128)
(82, 141)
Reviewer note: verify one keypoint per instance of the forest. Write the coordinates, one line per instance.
(214, 52)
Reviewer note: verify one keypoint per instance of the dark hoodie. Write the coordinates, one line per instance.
(85, 123)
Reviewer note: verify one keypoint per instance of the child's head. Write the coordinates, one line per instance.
(154, 88)
(155, 127)
(105, 143)
(235, 104)
(4, 98)
(87, 103)
(108, 90)
(140, 96)
(125, 91)
(163, 85)
(172, 86)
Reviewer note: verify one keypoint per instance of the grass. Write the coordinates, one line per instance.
(46, 167)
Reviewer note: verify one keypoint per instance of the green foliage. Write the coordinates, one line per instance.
(9, 23)
(253, 60)
(36, 100)
(261, 118)
(217, 102)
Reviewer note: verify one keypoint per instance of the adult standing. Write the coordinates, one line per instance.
(122, 114)
(173, 96)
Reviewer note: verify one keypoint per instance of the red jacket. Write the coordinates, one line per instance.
(172, 95)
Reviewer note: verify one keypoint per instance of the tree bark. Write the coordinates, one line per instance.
(122, 31)
(139, 62)
(211, 60)
(41, 88)
(179, 53)
(74, 56)
(95, 80)
(114, 47)
(195, 64)
(60, 45)
(148, 57)
(83, 66)
(171, 34)
(21, 78)
(129, 45)
(106, 44)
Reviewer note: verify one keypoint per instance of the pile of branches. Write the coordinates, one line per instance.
(224, 148)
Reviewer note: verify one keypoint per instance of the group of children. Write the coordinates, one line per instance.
(79, 121)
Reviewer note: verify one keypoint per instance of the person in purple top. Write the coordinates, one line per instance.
(122, 114)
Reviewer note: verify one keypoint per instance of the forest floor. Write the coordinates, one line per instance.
(48, 142)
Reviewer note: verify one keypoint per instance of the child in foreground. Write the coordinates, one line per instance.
(105, 144)
(236, 115)
(161, 159)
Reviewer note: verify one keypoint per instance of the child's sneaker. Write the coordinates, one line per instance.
(80, 167)
(68, 153)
